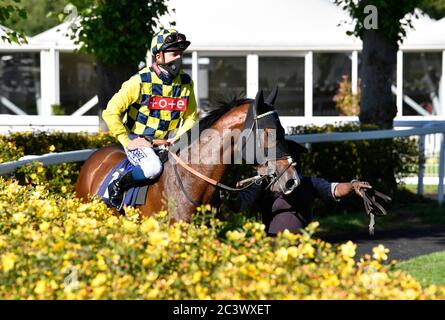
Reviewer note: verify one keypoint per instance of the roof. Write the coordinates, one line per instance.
(262, 25)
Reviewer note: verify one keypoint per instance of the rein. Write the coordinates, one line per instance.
(221, 186)
(372, 207)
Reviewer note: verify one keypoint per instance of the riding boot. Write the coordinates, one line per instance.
(117, 188)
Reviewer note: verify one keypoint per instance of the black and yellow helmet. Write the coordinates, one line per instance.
(168, 39)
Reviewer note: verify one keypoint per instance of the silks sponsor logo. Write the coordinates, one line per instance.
(171, 104)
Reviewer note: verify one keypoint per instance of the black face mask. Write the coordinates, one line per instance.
(173, 68)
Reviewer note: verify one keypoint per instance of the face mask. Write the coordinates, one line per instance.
(173, 67)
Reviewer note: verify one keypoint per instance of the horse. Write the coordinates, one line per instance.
(180, 188)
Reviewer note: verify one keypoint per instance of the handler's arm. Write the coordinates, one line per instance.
(344, 189)
(112, 115)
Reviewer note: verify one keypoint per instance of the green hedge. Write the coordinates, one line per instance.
(372, 160)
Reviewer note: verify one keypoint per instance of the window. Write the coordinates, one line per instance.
(20, 82)
(422, 72)
(288, 74)
(77, 82)
(221, 78)
(329, 68)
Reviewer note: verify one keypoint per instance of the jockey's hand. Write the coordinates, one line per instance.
(357, 185)
(171, 141)
(161, 142)
(139, 143)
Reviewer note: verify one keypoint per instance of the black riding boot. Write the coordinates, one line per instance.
(117, 188)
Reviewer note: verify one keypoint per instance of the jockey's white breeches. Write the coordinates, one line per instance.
(148, 161)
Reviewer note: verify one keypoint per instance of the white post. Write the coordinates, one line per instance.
(442, 86)
(253, 76)
(441, 169)
(308, 84)
(399, 83)
(50, 80)
(354, 72)
(195, 74)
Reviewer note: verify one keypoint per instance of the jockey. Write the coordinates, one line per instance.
(152, 103)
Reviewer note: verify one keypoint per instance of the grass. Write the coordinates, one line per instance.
(400, 216)
(428, 269)
(427, 188)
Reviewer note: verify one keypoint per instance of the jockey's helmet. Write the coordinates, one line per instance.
(168, 39)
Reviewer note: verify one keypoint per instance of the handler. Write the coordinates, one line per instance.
(294, 211)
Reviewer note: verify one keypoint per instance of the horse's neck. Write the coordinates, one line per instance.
(229, 125)
(212, 153)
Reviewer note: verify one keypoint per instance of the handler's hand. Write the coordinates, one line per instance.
(357, 185)
(139, 143)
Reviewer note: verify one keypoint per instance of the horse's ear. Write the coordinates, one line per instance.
(259, 102)
(272, 97)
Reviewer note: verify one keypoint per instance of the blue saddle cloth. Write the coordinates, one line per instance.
(134, 196)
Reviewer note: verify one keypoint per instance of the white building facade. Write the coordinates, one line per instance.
(237, 48)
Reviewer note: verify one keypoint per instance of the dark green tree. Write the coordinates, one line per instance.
(118, 34)
(380, 45)
(41, 13)
(381, 39)
(377, 23)
(11, 10)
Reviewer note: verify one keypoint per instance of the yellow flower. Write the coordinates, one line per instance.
(282, 254)
(99, 280)
(101, 264)
(20, 217)
(44, 226)
(40, 169)
(308, 250)
(380, 252)
(99, 291)
(40, 287)
(348, 249)
(197, 276)
(149, 225)
(52, 148)
(235, 235)
(8, 261)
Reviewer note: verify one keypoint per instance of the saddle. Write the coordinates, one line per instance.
(372, 207)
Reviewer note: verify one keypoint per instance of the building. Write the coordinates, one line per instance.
(237, 47)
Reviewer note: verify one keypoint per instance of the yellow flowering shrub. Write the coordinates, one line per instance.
(54, 247)
(58, 178)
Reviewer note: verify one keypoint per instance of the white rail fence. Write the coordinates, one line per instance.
(420, 129)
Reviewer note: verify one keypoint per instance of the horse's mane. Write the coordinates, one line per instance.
(219, 110)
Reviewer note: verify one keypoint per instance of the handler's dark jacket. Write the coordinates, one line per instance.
(293, 210)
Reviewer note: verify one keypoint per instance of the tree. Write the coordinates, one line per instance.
(118, 34)
(377, 23)
(40, 11)
(9, 10)
(434, 8)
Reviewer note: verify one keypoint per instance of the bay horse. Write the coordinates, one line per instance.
(175, 191)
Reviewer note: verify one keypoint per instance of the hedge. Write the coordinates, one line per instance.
(54, 247)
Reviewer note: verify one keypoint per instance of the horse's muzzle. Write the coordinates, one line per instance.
(290, 186)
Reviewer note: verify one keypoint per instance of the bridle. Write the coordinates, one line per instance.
(372, 207)
(273, 176)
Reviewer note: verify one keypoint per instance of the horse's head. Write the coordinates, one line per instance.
(271, 151)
